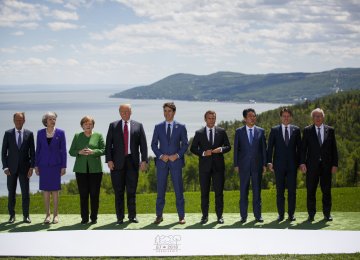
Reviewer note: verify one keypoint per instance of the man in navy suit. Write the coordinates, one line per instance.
(210, 144)
(319, 160)
(283, 156)
(250, 162)
(18, 159)
(169, 144)
(124, 139)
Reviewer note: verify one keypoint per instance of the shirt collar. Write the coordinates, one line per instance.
(247, 128)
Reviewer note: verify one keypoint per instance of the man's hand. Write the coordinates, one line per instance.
(111, 165)
(270, 166)
(7, 172)
(303, 168)
(333, 169)
(236, 169)
(208, 153)
(217, 150)
(173, 157)
(264, 169)
(143, 166)
(63, 171)
(164, 157)
(37, 171)
(30, 172)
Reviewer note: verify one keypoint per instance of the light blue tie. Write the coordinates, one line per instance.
(251, 136)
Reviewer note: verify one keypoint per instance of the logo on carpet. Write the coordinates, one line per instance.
(166, 244)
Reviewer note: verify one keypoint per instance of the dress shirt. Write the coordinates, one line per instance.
(171, 126)
(208, 133)
(283, 130)
(128, 125)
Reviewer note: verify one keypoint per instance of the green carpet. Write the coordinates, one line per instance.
(342, 221)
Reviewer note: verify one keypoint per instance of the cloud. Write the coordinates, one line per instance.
(18, 33)
(64, 15)
(59, 26)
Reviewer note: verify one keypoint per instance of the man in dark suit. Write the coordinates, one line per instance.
(210, 143)
(124, 139)
(250, 163)
(319, 160)
(283, 156)
(169, 144)
(18, 159)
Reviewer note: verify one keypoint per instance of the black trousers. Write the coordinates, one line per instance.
(121, 179)
(286, 178)
(313, 177)
(218, 180)
(24, 185)
(89, 186)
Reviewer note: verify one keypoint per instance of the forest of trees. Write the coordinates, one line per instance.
(342, 111)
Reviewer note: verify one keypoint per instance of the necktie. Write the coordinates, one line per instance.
(168, 132)
(126, 138)
(211, 137)
(319, 136)
(286, 136)
(251, 136)
(19, 139)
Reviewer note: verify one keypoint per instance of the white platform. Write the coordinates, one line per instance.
(178, 242)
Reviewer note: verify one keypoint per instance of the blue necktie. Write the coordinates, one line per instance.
(251, 136)
(19, 139)
(168, 132)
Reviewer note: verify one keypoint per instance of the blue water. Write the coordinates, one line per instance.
(71, 103)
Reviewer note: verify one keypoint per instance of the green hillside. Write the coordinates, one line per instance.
(238, 87)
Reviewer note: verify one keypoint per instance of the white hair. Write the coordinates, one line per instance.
(317, 110)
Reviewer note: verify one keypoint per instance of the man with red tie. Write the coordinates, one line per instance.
(124, 142)
(319, 160)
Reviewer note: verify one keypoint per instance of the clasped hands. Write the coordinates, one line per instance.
(86, 151)
(171, 158)
(210, 152)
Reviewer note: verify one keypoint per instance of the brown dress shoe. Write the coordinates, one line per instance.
(182, 221)
(158, 220)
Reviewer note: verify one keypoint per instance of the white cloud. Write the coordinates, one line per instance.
(59, 26)
(64, 15)
(18, 33)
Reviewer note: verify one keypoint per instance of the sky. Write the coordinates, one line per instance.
(139, 42)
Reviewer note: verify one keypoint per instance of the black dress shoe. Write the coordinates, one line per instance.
(291, 218)
(27, 220)
(158, 220)
(84, 221)
(260, 220)
(220, 221)
(134, 220)
(204, 220)
(243, 220)
(94, 221)
(11, 219)
(280, 218)
(328, 218)
(120, 221)
(310, 218)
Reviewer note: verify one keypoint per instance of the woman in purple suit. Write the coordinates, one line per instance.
(50, 162)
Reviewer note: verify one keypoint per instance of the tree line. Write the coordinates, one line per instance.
(342, 111)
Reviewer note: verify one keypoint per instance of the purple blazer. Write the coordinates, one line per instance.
(50, 155)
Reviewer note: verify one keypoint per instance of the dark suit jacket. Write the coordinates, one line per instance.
(178, 144)
(201, 143)
(18, 160)
(249, 158)
(280, 155)
(114, 149)
(53, 154)
(311, 151)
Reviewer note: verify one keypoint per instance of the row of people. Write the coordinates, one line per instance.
(126, 153)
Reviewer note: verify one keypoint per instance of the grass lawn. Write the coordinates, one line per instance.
(344, 200)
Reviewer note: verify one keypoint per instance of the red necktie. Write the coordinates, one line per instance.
(126, 138)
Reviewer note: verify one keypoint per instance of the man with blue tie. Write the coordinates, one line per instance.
(18, 159)
(169, 144)
(283, 156)
(319, 160)
(250, 162)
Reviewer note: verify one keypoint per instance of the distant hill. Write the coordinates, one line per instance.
(238, 87)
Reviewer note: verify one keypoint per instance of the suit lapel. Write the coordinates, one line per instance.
(245, 135)
(314, 134)
(326, 133)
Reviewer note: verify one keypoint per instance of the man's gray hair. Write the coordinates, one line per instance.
(318, 110)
